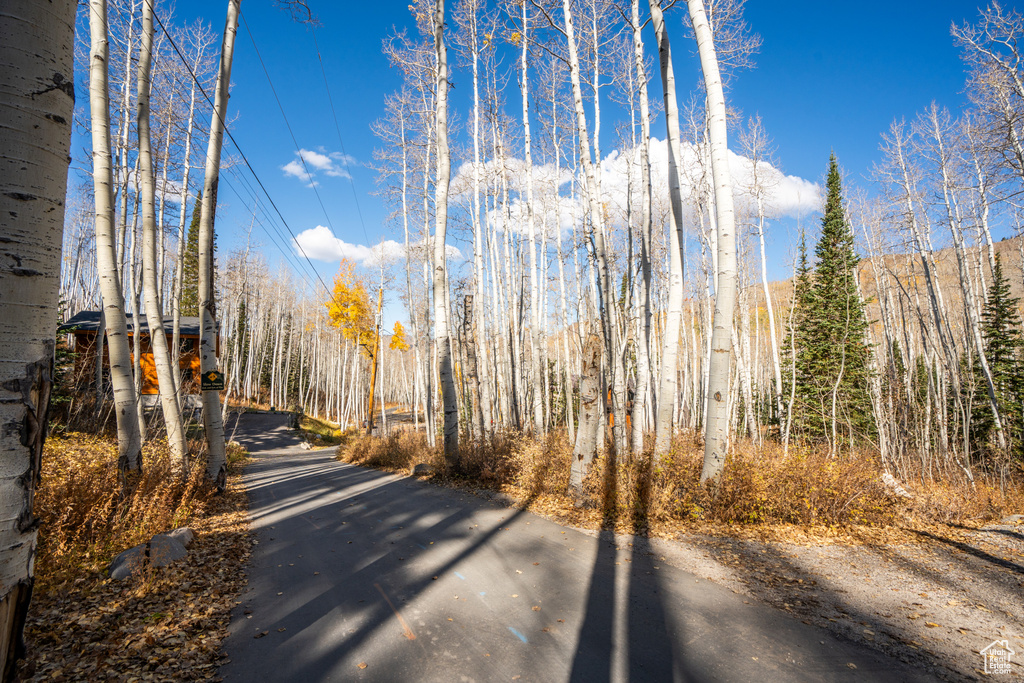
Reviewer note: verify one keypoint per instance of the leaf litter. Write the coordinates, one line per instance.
(166, 624)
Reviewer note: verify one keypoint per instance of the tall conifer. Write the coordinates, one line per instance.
(832, 370)
(190, 267)
(1001, 330)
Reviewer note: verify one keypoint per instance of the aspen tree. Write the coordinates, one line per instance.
(755, 146)
(716, 436)
(37, 79)
(535, 320)
(216, 467)
(605, 304)
(440, 283)
(182, 209)
(670, 344)
(641, 400)
(154, 314)
(935, 121)
(129, 438)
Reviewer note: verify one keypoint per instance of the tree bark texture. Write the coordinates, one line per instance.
(36, 104)
(154, 314)
(129, 435)
(442, 334)
(216, 466)
(716, 434)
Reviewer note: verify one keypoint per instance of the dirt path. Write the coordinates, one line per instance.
(361, 575)
(934, 604)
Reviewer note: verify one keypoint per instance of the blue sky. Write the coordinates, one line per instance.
(829, 76)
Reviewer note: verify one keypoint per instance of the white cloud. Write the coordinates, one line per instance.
(320, 243)
(171, 191)
(785, 195)
(309, 163)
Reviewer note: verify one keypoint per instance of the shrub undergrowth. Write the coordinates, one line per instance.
(760, 486)
(86, 517)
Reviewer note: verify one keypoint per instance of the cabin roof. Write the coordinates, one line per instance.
(89, 321)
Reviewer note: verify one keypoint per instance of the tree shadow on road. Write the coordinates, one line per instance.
(625, 632)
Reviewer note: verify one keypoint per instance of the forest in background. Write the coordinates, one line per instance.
(557, 257)
(612, 340)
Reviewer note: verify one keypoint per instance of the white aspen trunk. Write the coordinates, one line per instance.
(716, 434)
(154, 314)
(37, 82)
(606, 305)
(643, 360)
(426, 373)
(788, 423)
(569, 420)
(483, 390)
(591, 414)
(614, 344)
(135, 289)
(161, 251)
(955, 220)
(743, 369)
(670, 345)
(938, 308)
(982, 190)
(179, 272)
(441, 331)
(776, 362)
(428, 353)
(535, 322)
(123, 132)
(129, 437)
(216, 467)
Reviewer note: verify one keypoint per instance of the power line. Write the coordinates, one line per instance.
(238, 148)
(287, 123)
(337, 128)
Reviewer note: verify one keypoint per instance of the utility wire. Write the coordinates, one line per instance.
(337, 128)
(287, 123)
(238, 147)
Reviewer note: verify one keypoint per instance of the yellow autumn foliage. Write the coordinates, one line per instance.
(398, 340)
(349, 307)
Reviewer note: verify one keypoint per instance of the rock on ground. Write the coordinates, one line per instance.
(160, 551)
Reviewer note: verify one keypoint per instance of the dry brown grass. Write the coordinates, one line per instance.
(166, 624)
(761, 488)
(85, 518)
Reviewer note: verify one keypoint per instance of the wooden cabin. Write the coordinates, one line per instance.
(85, 325)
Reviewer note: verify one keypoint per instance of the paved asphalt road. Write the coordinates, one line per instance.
(364, 576)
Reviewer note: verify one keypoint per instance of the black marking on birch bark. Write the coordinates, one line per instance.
(34, 388)
(21, 593)
(21, 196)
(25, 272)
(57, 119)
(718, 396)
(59, 82)
(27, 521)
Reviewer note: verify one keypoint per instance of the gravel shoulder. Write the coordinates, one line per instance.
(934, 603)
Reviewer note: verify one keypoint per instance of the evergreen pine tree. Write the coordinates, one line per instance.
(190, 266)
(1001, 331)
(792, 347)
(832, 358)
